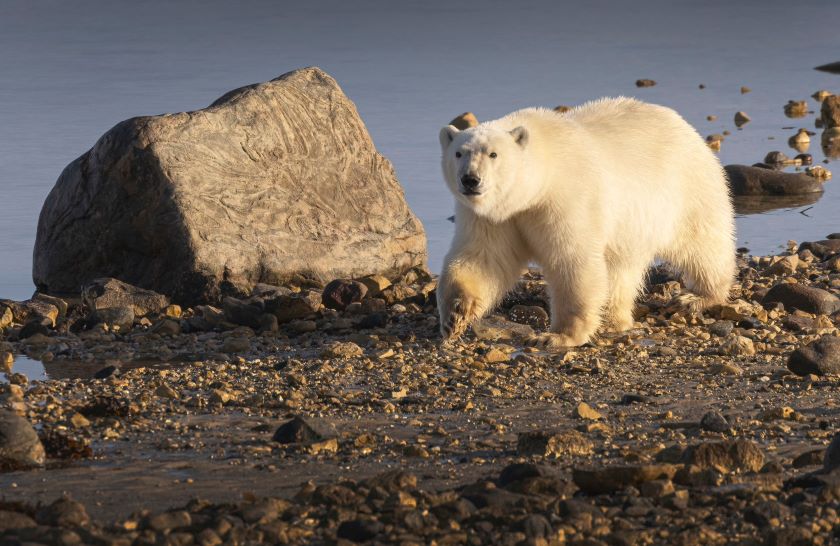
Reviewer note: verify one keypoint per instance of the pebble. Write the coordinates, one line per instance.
(796, 108)
(341, 349)
(567, 443)
(585, 411)
(741, 118)
(464, 121)
(645, 83)
(7, 361)
(713, 421)
(736, 345)
(832, 455)
(296, 431)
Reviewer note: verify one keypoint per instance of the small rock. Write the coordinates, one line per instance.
(785, 266)
(657, 489)
(375, 284)
(245, 313)
(173, 311)
(496, 355)
(79, 421)
(122, 317)
(20, 447)
(464, 121)
(166, 327)
(830, 112)
(741, 118)
(64, 512)
(800, 141)
(821, 357)
(340, 293)
(359, 530)
(106, 372)
(722, 328)
(562, 109)
(645, 83)
(726, 368)
(821, 95)
(296, 431)
(737, 346)
(235, 344)
(532, 315)
(813, 457)
(6, 316)
(108, 292)
(342, 349)
(568, 443)
(796, 108)
(777, 413)
(615, 478)
(169, 520)
(713, 421)
(819, 172)
(726, 456)
(7, 362)
(745, 89)
(165, 391)
(293, 306)
(585, 411)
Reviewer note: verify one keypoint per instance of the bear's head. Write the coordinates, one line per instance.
(485, 169)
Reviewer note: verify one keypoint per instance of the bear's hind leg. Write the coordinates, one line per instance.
(707, 263)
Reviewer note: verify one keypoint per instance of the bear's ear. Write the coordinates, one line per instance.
(520, 135)
(447, 135)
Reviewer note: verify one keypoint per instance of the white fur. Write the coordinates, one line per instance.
(593, 196)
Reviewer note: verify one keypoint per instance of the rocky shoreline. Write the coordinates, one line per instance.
(332, 414)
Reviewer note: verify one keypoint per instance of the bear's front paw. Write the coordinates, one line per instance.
(455, 323)
(552, 342)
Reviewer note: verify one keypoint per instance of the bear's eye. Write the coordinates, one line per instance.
(493, 155)
(458, 154)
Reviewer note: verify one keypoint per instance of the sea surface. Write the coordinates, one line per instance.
(71, 70)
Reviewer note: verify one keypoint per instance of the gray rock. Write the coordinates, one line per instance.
(116, 316)
(744, 180)
(820, 357)
(271, 181)
(713, 421)
(64, 512)
(822, 249)
(805, 298)
(20, 446)
(243, 312)
(107, 293)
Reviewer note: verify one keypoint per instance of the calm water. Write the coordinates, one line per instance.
(70, 71)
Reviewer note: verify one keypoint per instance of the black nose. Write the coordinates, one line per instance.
(470, 182)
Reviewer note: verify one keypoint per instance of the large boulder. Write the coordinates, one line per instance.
(744, 180)
(271, 182)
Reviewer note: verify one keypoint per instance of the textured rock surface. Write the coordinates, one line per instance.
(20, 446)
(820, 357)
(271, 181)
(106, 293)
(805, 298)
(744, 180)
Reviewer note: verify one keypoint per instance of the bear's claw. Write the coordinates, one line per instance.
(456, 322)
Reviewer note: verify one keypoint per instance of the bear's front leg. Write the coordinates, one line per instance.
(461, 301)
(578, 296)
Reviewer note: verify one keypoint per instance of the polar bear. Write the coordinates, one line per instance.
(593, 196)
